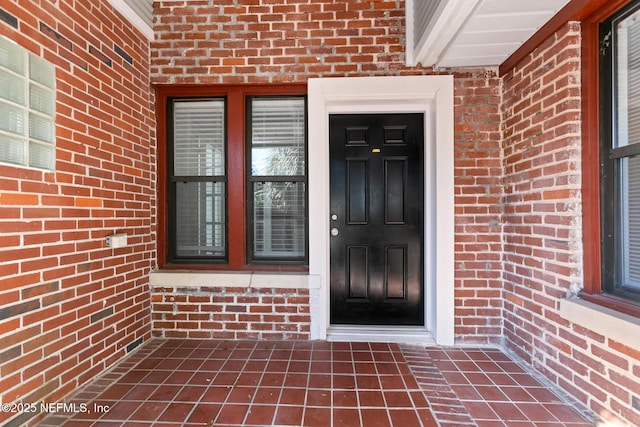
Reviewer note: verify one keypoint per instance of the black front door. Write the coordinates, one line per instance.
(377, 182)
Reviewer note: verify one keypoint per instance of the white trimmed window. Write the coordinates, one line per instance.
(27, 108)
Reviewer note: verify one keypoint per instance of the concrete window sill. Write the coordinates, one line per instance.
(236, 280)
(612, 324)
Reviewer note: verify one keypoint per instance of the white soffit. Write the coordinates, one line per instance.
(466, 33)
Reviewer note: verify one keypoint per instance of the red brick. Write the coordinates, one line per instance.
(18, 199)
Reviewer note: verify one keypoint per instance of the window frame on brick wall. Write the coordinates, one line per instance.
(239, 257)
(598, 287)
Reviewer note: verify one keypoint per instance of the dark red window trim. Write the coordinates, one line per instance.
(591, 218)
(236, 196)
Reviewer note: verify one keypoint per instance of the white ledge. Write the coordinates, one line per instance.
(612, 324)
(183, 279)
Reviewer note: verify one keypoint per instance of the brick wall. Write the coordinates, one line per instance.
(235, 42)
(478, 207)
(254, 41)
(542, 232)
(69, 306)
(230, 313)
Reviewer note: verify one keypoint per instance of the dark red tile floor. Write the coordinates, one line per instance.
(238, 383)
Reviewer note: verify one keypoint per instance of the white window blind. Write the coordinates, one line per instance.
(199, 138)
(27, 107)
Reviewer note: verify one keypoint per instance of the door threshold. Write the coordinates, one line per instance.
(375, 333)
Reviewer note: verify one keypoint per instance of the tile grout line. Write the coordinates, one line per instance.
(562, 396)
(172, 401)
(399, 358)
(419, 362)
(232, 386)
(500, 365)
(102, 382)
(411, 395)
(455, 356)
(259, 381)
(384, 395)
(168, 402)
(197, 403)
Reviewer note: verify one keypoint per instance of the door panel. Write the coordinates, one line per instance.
(395, 191)
(357, 191)
(358, 272)
(376, 168)
(396, 272)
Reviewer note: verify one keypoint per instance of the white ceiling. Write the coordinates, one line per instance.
(464, 33)
(440, 33)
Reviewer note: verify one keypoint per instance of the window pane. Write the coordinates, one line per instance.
(40, 128)
(628, 80)
(42, 71)
(41, 99)
(41, 155)
(277, 136)
(11, 150)
(11, 56)
(11, 87)
(11, 118)
(198, 138)
(200, 219)
(630, 220)
(279, 220)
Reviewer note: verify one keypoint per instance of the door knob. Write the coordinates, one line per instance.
(334, 231)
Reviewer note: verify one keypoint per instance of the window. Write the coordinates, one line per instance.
(620, 152)
(236, 178)
(277, 178)
(27, 108)
(611, 155)
(197, 179)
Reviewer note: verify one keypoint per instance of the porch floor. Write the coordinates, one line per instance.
(292, 383)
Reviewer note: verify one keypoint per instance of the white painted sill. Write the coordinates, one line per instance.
(612, 324)
(185, 279)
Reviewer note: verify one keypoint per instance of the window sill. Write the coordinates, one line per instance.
(612, 324)
(614, 303)
(185, 279)
(240, 268)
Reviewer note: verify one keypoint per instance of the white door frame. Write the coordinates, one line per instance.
(433, 96)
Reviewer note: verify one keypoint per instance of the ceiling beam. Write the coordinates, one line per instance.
(442, 28)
